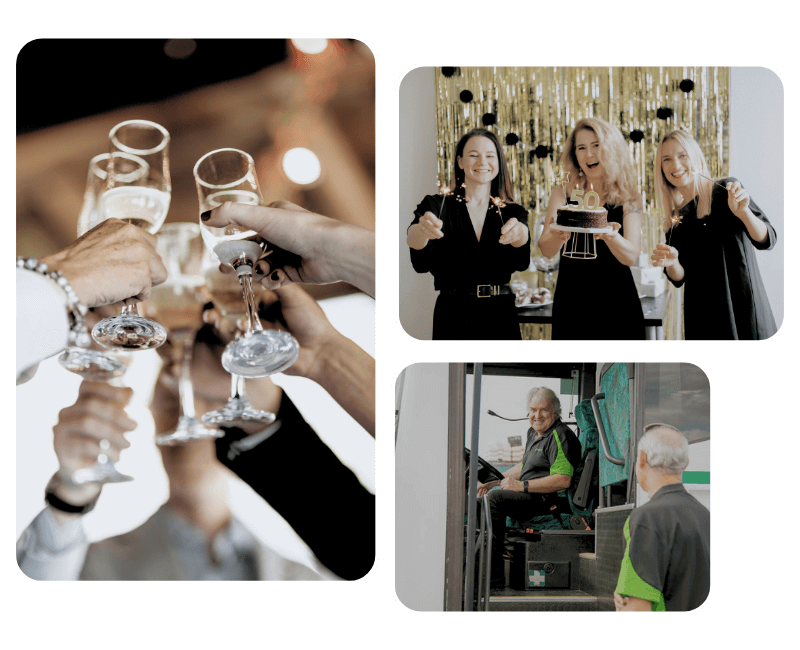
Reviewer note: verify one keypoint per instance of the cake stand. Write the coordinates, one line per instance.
(581, 245)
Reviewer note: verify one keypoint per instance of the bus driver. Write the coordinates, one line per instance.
(538, 485)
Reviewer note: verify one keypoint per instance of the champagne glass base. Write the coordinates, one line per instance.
(129, 332)
(237, 413)
(260, 353)
(188, 430)
(101, 472)
(92, 364)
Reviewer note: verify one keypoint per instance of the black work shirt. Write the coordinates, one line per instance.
(667, 557)
(458, 260)
(558, 451)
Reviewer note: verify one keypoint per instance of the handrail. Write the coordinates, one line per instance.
(472, 490)
(601, 430)
(485, 561)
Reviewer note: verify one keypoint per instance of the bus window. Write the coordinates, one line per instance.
(678, 394)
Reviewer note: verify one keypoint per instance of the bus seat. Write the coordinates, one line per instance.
(582, 494)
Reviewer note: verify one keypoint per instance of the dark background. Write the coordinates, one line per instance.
(53, 76)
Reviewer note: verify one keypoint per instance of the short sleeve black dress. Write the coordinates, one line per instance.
(459, 263)
(724, 296)
(597, 298)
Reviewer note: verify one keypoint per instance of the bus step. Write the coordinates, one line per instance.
(550, 600)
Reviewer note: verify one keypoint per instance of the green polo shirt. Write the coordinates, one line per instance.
(667, 544)
(558, 451)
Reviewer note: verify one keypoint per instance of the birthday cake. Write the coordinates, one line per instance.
(572, 216)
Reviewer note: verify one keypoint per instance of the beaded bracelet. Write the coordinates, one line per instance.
(78, 334)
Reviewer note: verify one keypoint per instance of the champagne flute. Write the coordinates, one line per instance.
(89, 363)
(230, 175)
(142, 201)
(226, 293)
(178, 304)
(104, 470)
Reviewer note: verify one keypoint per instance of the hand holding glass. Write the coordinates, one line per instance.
(230, 175)
(137, 190)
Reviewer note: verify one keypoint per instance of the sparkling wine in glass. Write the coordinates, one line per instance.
(230, 175)
(143, 201)
(86, 359)
(178, 305)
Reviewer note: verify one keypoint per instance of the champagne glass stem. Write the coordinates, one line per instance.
(131, 309)
(246, 280)
(185, 388)
(235, 394)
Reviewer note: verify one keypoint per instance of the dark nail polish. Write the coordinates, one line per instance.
(205, 216)
(275, 276)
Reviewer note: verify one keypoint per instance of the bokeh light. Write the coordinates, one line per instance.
(310, 45)
(301, 166)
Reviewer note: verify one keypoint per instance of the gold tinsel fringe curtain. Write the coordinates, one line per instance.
(533, 111)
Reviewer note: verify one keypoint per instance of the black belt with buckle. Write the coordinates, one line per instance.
(481, 291)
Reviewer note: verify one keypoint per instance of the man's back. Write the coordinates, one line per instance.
(668, 557)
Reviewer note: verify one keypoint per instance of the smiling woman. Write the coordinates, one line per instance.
(713, 231)
(596, 159)
(471, 239)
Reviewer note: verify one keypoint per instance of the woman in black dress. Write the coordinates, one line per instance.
(471, 241)
(597, 298)
(713, 229)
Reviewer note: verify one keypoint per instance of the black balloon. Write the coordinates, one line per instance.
(512, 138)
(466, 96)
(687, 85)
(637, 135)
(488, 119)
(664, 113)
(448, 72)
(543, 150)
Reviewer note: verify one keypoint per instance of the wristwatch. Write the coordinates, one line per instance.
(524, 486)
(52, 500)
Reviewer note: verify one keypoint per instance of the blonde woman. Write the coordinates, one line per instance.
(597, 298)
(713, 229)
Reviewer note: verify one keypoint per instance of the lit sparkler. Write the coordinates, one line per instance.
(674, 220)
(499, 203)
(444, 191)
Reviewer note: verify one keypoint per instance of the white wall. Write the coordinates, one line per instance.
(420, 487)
(756, 158)
(756, 125)
(417, 179)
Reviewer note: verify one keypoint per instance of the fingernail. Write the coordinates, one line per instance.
(205, 216)
(275, 276)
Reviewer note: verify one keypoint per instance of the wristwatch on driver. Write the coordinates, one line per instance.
(524, 486)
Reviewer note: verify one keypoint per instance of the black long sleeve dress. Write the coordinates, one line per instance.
(724, 297)
(596, 299)
(459, 263)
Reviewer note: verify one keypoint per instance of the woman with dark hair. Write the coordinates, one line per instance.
(713, 230)
(471, 241)
(597, 298)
